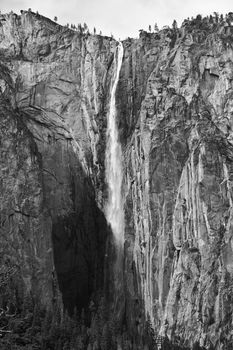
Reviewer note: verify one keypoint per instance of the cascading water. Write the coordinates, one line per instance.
(114, 172)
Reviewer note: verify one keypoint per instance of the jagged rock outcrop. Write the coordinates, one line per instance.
(174, 101)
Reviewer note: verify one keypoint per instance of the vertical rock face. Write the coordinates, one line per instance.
(25, 226)
(178, 173)
(174, 102)
(53, 84)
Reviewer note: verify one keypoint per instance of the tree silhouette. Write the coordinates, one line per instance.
(85, 27)
(80, 29)
(216, 15)
(156, 28)
(174, 25)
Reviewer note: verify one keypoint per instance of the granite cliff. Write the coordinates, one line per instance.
(174, 103)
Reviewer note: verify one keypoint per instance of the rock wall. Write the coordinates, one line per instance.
(54, 82)
(175, 122)
(178, 193)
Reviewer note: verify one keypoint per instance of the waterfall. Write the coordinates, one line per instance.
(114, 171)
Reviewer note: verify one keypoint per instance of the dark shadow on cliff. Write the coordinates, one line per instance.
(79, 241)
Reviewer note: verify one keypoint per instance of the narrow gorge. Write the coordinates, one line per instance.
(116, 170)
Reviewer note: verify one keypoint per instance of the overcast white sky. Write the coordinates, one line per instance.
(121, 17)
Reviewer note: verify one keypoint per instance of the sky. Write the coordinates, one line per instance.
(122, 18)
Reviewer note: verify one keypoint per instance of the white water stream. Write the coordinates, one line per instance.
(114, 171)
